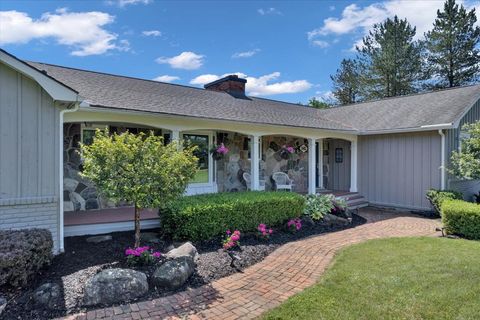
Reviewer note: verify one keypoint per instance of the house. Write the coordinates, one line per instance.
(386, 152)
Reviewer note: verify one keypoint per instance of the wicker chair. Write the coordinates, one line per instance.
(282, 181)
(248, 182)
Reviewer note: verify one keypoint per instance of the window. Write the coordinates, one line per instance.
(338, 155)
(88, 132)
(202, 153)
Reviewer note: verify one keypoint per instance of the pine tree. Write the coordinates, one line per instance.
(391, 60)
(346, 82)
(452, 47)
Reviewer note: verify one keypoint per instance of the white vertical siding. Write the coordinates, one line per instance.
(28, 154)
(397, 169)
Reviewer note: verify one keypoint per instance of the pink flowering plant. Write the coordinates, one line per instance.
(294, 225)
(142, 256)
(232, 240)
(263, 231)
(219, 151)
(286, 151)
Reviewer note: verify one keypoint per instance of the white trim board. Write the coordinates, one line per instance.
(101, 228)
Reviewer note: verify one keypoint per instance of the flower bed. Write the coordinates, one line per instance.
(83, 260)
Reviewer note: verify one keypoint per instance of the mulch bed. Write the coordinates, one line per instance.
(83, 260)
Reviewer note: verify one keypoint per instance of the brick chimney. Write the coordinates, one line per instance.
(231, 84)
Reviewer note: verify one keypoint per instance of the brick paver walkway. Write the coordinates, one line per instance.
(288, 270)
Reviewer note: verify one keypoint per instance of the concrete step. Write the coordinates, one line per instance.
(354, 199)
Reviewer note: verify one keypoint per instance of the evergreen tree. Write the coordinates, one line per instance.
(452, 47)
(391, 60)
(346, 82)
(319, 104)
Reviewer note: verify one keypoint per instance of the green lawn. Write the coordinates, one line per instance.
(201, 176)
(409, 278)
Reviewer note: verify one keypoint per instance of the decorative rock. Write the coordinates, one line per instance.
(98, 239)
(3, 304)
(173, 273)
(151, 237)
(332, 219)
(69, 184)
(48, 295)
(185, 250)
(115, 285)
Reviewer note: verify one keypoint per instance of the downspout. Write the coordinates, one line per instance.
(442, 167)
(60, 175)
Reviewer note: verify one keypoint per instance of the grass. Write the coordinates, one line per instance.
(201, 176)
(398, 278)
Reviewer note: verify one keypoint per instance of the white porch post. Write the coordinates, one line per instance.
(320, 163)
(175, 135)
(354, 166)
(255, 162)
(312, 167)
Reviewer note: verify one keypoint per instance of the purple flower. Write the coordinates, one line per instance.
(157, 254)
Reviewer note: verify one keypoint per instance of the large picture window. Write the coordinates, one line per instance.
(202, 143)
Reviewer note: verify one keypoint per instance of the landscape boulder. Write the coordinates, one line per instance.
(173, 273)
(185, 250)
(48, 295)
(335, 220)
(98, 239)
(115, 285)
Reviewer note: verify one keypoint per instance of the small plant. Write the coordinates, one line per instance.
(339, 205)
(141, 256)
(294, 225)
(232, 240)
(263, 231)
(286, 151)
(219, 151)
(317, 206)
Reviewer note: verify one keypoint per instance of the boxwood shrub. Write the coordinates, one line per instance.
(23, 253)
(202, 217)
(461, 218)
(436, 198)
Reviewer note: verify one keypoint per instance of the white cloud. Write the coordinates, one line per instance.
(359, 20)
(166, 78)
(269, 11)
(123, 3)
(83, 31)
(320, 43)
(261, 86)
(186, 60)
(152, 33)
(246, 54)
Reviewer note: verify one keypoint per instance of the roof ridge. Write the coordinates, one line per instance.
(403, 96)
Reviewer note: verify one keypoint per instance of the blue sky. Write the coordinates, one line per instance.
(286, 49)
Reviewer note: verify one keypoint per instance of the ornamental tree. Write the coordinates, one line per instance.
(466, 162)
(139, 169)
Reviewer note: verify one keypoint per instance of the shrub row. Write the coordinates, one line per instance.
(23, 253)
(202, 217)
(436, 198)
(461, 218)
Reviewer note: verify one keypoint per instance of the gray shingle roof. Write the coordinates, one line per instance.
(400, 113)
(117, 92)
(408, 112)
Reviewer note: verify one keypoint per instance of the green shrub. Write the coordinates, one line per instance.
(436, 198)
(23, 253)
(461, 218)
(202, 217)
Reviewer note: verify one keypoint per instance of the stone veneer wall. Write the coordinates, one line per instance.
(230, 169)
(79, 194)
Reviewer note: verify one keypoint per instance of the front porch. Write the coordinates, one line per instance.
(316, 165)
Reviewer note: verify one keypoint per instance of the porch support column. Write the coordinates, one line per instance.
(312, 167)
(175, 135)
(320, 163)
(255, 162)
(354, 166)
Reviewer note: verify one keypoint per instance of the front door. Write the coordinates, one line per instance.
(339, 160)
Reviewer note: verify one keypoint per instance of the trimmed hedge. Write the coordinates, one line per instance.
(23, 253)
(202, 217)
(461, 218)
(436, 198)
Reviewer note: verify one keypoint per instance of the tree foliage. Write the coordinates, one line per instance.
(466, 163)
(346, 82)
(319, 104)
(139, 169)
(391, 60)
(452, 47)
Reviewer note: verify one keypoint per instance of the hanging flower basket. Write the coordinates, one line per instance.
(218, 152)
(286, 151)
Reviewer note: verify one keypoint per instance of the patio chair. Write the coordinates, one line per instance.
(282, 181)
(248, 182)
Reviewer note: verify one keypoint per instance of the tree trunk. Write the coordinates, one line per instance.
(137, 226)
